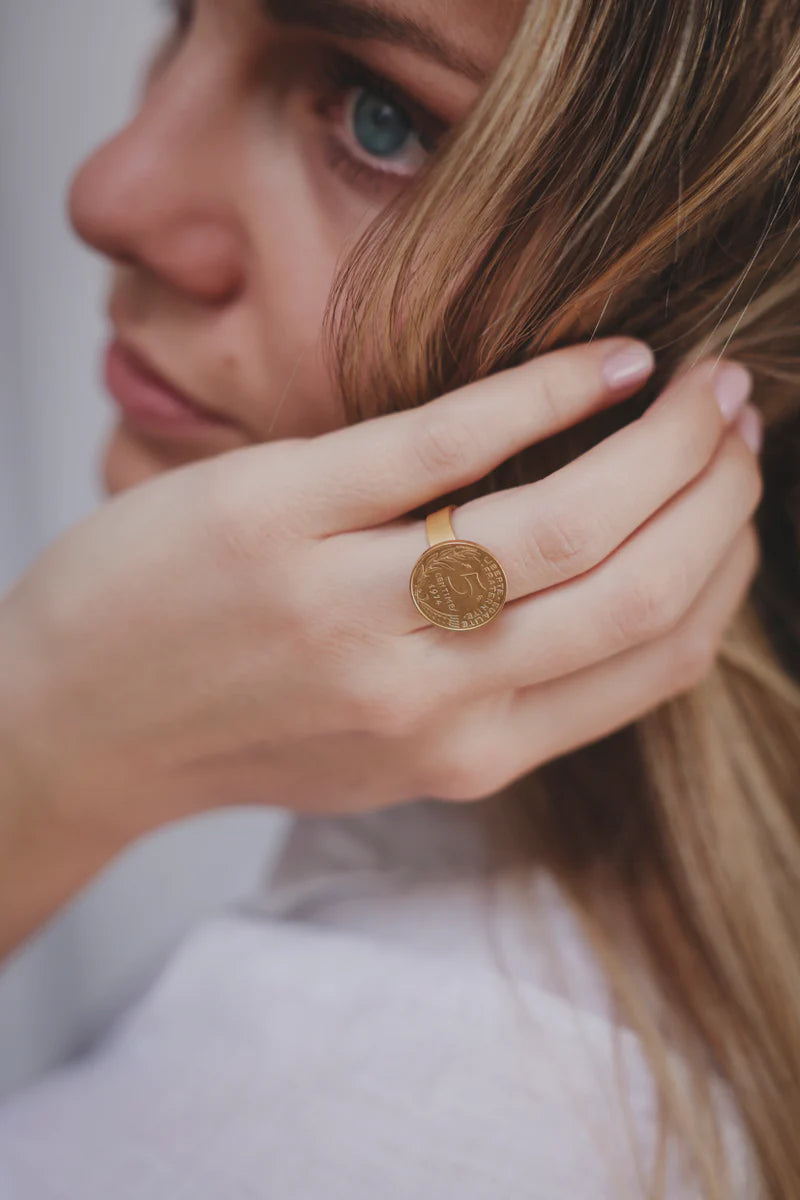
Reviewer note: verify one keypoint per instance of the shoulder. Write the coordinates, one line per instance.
(279, 1058)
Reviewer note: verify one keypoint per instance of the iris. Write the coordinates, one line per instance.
(381, 128)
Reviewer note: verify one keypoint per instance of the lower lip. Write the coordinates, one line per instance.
(149, 403)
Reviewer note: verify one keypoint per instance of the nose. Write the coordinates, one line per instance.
(160, 195)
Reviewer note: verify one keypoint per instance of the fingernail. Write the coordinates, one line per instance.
(751, 427)
(733, 384)
(629, 365)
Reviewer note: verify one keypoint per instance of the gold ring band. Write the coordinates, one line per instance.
(439, 527)
(456, 584)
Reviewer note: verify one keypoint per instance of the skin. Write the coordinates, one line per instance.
(263, 648)
(220, 187)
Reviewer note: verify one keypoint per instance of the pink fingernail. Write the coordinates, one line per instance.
(733, 384)
(630, 365)
(751, 427)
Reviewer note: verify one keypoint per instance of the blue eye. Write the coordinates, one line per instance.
(382, 128)
(376, 135)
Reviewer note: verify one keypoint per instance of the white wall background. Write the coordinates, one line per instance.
(67, 73)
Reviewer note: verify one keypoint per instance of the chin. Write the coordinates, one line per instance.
(128, 460)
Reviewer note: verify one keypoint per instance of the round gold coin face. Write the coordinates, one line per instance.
(458, 585)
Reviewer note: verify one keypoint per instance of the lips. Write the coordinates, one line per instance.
(151, 403)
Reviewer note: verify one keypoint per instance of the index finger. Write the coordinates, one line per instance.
(382, 468)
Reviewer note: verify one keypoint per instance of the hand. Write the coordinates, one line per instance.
(241, 631)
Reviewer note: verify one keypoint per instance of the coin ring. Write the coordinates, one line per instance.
(439, 529)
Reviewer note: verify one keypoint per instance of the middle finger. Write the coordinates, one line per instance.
(562, 526)
(639, 593)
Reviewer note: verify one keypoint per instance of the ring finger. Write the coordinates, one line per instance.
(561, 526)
(638, 594)
(485, 753)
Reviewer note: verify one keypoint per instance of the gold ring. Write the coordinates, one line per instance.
(456, 584)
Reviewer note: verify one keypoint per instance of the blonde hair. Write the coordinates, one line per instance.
(632, 168)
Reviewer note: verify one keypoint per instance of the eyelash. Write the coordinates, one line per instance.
(341, 75)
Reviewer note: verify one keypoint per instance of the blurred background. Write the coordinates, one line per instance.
(68, 71)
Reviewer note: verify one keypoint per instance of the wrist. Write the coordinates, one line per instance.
(16, 786)
(49, 848)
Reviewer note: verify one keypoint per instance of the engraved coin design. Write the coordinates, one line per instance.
(458, 585)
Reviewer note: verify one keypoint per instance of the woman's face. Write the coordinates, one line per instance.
(270, 133)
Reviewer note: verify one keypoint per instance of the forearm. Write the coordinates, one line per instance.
(44, 861)
(48, 850)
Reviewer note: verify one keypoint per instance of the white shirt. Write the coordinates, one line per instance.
(363, 1029)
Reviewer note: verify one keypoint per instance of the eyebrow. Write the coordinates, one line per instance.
(367, 20)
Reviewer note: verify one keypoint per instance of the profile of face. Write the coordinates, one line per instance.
(269, 135)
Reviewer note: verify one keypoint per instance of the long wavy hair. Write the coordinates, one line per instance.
(632, 167)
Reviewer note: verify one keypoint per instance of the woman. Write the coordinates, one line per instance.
(520, 185)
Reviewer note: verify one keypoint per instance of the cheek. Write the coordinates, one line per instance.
(298, 396)
(294, 266)
(302, 401)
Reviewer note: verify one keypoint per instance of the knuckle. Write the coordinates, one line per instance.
(465, 764)
(248, 496)
(235, 537)
(566, 544)
(756, 481)
(326, 638)
(236, 533)
(648, 606)
(464, 774)
(383, 708)
(446, 443)
(688, 420)
(749, 480)
(697, 438)
(549, 389)
(349, 664)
